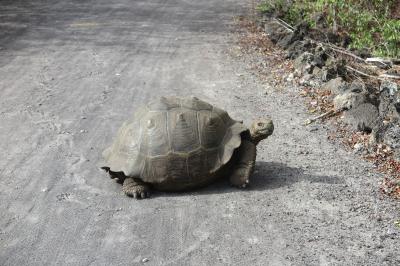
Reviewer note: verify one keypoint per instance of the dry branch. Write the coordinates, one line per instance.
(330, 113)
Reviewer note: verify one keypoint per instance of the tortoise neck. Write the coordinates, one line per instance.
(253, 137)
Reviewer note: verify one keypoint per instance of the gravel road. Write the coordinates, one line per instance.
(72, 71)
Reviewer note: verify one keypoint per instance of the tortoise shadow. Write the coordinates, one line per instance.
(267, 176)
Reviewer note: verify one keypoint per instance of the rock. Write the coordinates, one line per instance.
(303, 63)
(363, 117)
(298, 47)
(357, 86)
(389, 100)
(320, 56)
(290, 77)
(349, 99)
(304, 81)
(302, 28)
(358, 147)
(287, 40)
(336, 86)
(275, 31)
(389, 86)
(397, 107)
(317, 72)
(297, 35)
(333, 69)
(392, 136)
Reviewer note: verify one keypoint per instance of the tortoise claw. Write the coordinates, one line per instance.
(135, 189)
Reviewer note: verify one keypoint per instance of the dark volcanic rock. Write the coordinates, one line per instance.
(349, 100)
(297, 35)
(275, 31)
(333, 69)
(363, 117)
(298, 47)
(304, 63)
(320, 56)
(363, 53)
(336, 86)
(392, 136)
(389, 101)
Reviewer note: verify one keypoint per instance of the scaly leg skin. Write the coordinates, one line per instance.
(245, 164)
(135, 188)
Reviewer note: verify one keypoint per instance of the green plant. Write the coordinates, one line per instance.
(272, 5)
(264, 7)
(366, 21)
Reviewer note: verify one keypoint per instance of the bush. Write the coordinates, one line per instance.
(370, 24)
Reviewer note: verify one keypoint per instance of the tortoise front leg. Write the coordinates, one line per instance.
(136, 188)
(245, 164)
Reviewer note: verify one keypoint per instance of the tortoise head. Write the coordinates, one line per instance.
(260, 129)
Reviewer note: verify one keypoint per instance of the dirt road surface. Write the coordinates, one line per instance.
(72, 71)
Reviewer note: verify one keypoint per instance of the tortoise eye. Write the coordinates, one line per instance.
(260, 124)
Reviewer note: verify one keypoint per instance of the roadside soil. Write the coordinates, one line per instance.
(72, 72)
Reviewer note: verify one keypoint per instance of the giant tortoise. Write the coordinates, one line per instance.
(174, 144)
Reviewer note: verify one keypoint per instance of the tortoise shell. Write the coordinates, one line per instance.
(174, 139)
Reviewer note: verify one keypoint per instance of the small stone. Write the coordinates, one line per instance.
(303, 63)
(290, 77)
(145, 260)
(389, 86)
(317, 71)
(358, 147)
(336, 85)
(305, 80)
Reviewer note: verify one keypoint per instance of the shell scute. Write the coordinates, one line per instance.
(212, 129)
(154, 136)
(183, 130)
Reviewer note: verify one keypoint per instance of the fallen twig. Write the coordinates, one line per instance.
(363, 74)
(340, 50)
(330, 113)
(285, 24)
(386, 63)
(389, 76)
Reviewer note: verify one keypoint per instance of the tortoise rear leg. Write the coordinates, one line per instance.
(136, 188)
(245, 164)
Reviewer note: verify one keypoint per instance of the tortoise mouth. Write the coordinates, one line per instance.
(263, 129)
(266, 125)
